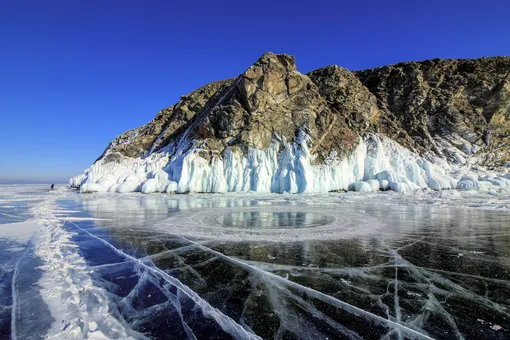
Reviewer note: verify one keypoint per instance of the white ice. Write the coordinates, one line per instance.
(378, 163)
(20, 232)
(80, 309)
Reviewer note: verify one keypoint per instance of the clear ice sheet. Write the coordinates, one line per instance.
(336, 266)
(303, 267)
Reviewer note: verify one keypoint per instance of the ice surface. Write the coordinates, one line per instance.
(20, 232)
(412, 266)
(66, 287)
(145, 269)
(18, 267)
(44, 284)
(423, 264)
(283, 167)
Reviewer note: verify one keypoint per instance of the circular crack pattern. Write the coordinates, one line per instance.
(262, 223)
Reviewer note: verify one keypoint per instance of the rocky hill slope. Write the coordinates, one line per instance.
(272, 129)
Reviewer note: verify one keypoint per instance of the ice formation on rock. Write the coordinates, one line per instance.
(378, 163)
(403, 127)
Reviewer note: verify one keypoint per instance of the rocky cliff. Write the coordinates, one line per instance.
(272, 129)
(447, 106)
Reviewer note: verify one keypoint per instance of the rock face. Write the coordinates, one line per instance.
(444, 104)
(273, 124)
(269, 100)
(167, 123)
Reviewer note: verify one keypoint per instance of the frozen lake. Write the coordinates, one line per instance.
(242, 266)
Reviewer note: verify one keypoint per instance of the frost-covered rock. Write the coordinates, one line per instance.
(468, 183)
(361, 186)
(377, 163)
(399, 182)
(374, 184)
(151, 185)
(128, 186)
(92, 187)
(384, 184)
(273, 129)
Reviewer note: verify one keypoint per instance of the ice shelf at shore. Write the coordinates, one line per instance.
(377, 163)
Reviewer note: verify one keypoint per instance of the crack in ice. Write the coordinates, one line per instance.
(319, 295)
(228, 325)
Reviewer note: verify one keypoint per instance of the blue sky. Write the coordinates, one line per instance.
(74, 74)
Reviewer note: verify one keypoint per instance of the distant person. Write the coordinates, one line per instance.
(52, 186)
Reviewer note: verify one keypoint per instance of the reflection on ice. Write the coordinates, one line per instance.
(272, 220)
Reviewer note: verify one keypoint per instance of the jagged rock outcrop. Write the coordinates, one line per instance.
(444, 104)
(275, 123)
(270, 99)
(167, 123)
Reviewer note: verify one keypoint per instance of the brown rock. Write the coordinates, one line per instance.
(428, 106)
